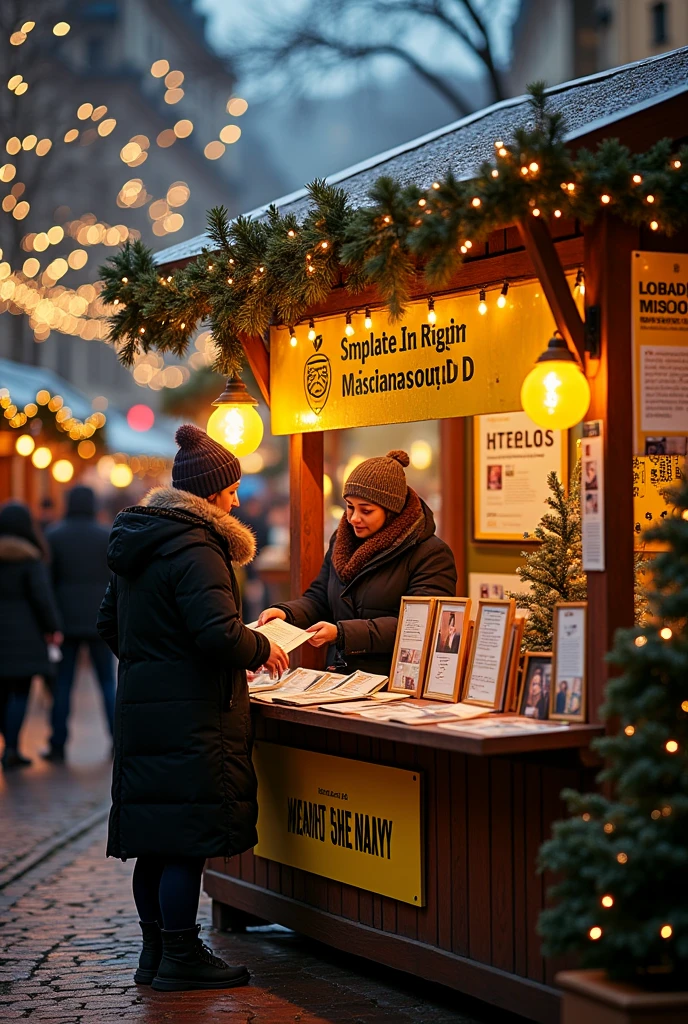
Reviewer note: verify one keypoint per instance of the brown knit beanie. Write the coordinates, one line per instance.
(381, 480)
(202, 466)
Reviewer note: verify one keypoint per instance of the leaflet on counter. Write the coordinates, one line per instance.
(282, 633)
(296, 681)
(353, 687)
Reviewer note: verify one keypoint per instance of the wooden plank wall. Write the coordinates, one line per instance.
(485, 821)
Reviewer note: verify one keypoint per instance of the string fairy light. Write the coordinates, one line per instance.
(501, 298)
(482, 304)
(311, 330)
(432, 315)
(348, 327)
(368, 321)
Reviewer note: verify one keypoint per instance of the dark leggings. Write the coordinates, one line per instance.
(167, 890)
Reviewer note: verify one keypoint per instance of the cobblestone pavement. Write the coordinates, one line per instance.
(69, 936)
(43, 801)
(70, 941)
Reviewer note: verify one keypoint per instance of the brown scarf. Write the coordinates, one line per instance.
(349, 557)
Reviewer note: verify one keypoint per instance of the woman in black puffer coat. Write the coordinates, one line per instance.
(385, 548)
(28, 620)
(183, 786)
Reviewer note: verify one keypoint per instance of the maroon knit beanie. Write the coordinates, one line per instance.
(202, 466)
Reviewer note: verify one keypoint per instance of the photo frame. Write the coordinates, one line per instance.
(535, 692)
(485, 679)
(412, 645)
(569, 683)
(511, 690)
(444, 674)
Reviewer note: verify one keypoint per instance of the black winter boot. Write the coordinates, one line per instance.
(187, 964)
(151, 953)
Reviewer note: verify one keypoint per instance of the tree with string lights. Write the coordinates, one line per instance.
(621, 899)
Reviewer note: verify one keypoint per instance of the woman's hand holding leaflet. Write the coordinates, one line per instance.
(271, 613)
(323, 633)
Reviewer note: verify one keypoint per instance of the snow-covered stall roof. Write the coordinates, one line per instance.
(589, 104)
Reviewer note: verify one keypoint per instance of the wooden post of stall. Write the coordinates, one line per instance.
(608, 247)
(452, 490)
(306, 522)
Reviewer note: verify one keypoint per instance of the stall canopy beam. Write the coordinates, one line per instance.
(259, 360)
(306, 523)
(540, 247)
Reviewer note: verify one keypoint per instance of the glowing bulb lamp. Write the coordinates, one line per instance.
(235, 423)
(556, 394)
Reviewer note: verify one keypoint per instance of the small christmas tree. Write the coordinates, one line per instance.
(622, 901)
(554, 570)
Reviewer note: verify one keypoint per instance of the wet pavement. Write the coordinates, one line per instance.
(69, 936)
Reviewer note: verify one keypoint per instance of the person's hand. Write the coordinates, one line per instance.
(271, 613)
(323, 633)
(278, 662)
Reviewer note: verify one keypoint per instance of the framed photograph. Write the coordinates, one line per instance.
(486, 677)
(536, 685)
(567, 697)
(449, 638)
(412, 645)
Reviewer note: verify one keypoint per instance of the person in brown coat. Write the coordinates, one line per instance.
(384, 548)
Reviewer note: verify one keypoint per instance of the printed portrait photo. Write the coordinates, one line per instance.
(449, 632)
(591, 503)
(590, 474)
(494, 478)
(535, 699)
(406, 677)
(569, 696)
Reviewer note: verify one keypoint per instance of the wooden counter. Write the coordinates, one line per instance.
(489, 804)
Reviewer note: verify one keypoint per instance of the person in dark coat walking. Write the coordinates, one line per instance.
(384, 548)
(78, 547)
(183, 786)
(28, 621)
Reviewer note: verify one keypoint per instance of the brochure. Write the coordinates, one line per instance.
(316, 692)
(282, 633)
(296, 681)
(500, 726)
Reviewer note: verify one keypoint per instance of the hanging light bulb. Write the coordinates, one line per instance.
(432, 315)
(580, 281)
(368, 322)
(235, 423)
(556, 394)
(293, 340)
(482, 305)
(501, 298)
(349, 328)
(311, 330)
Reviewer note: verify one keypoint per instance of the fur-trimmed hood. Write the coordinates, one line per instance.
(17, 549)
(166, 521)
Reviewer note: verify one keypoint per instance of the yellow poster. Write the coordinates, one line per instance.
(462, 365)
(652, 475)
(349, 820)
(659, 318)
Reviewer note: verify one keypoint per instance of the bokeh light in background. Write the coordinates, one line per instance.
(121, 475)
(24, 444)
(42, 457)
(140, 417)
(63, 471)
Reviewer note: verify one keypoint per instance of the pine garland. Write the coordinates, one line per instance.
(622, 899)
(555, 569)
(259, 272)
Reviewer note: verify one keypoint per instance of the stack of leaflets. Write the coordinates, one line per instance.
(295, 681)
(413, 713)
(330, 688)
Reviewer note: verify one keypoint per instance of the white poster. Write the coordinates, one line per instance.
(513, 457)
(489, 652)
(659, 319)
(569, 667)
(592, 496)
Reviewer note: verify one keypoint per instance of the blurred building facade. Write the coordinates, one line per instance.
(559, 40)
(105, 61)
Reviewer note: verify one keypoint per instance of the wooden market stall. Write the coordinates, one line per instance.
(486, 804)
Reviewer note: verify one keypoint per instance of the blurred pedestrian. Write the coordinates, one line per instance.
(78, 547)
(29, 620)
(183, 786)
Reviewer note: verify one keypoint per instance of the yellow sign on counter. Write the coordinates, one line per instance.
(348, 820)
(463, 364)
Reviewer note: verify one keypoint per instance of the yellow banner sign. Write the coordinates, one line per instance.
(352, 821)
(462, 365)
(652, 475)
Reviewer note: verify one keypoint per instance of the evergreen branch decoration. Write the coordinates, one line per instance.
(255, 273)
(622, 860)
